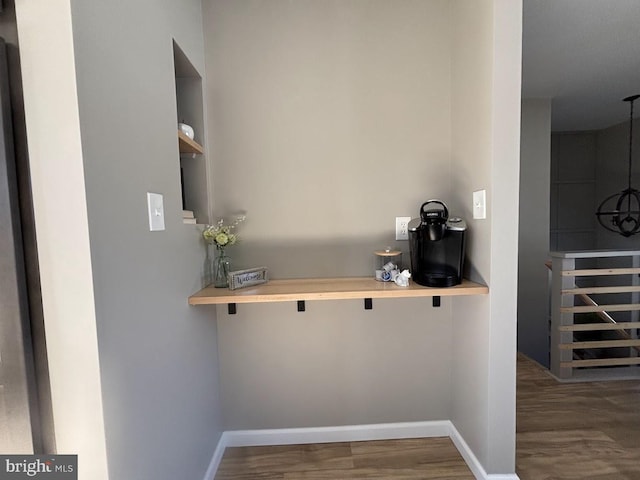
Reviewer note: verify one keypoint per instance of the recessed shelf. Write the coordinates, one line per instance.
(186, 145)
(328, 289)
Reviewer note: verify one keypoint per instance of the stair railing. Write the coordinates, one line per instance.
(570, 296)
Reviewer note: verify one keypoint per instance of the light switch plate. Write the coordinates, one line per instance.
(156, 211)
(480, 204)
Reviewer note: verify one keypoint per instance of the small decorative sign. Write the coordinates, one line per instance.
(247, 278)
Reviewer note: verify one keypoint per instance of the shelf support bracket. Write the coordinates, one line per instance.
(301, 306)
(231, 308)
(368, 304)
(436, 301)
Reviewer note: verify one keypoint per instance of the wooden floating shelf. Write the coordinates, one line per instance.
(186, 145)
(328, 289)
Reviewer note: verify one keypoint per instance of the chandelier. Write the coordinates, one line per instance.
(620, 213)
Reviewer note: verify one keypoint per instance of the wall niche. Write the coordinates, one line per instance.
(193, 164)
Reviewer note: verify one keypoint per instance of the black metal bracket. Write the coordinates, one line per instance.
(368, 304)
(436, 301)
(301, 306)
(231, 307)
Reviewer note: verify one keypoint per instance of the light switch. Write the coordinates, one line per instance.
(156, 211)
(480, 204)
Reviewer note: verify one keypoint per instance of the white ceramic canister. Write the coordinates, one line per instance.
(186, 129)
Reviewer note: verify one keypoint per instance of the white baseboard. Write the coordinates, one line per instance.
(216, 459)
(351, 433)
(472, 461)
(347, 433)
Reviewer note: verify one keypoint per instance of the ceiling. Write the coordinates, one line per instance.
(585, 56)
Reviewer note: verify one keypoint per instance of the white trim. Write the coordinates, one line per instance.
(351, 433)
(595, 375)
(472, 461)
(58, 187)
(217, 458)
(346, 433)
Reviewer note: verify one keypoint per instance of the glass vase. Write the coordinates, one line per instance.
(208, 265)
(221, 267)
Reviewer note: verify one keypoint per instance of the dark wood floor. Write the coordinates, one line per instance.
(410, 459)
(564, 431)
(576, 431)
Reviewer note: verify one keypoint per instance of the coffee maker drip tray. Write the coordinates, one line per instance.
(437, 279)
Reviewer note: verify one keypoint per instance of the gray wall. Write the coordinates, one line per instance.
(533, 236)
(157, 355)
(335, 364)
(472, 154)
(587, 167)
(327, 120)
(573, 223)
(485, 149)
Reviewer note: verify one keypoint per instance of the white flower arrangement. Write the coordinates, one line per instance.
(222, 235)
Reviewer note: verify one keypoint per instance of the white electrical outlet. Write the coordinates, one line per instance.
(480, 204)
(402, 228)
(155, 206)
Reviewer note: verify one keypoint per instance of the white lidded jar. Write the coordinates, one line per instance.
(387, 265)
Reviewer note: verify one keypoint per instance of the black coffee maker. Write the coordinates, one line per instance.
(436, 244)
